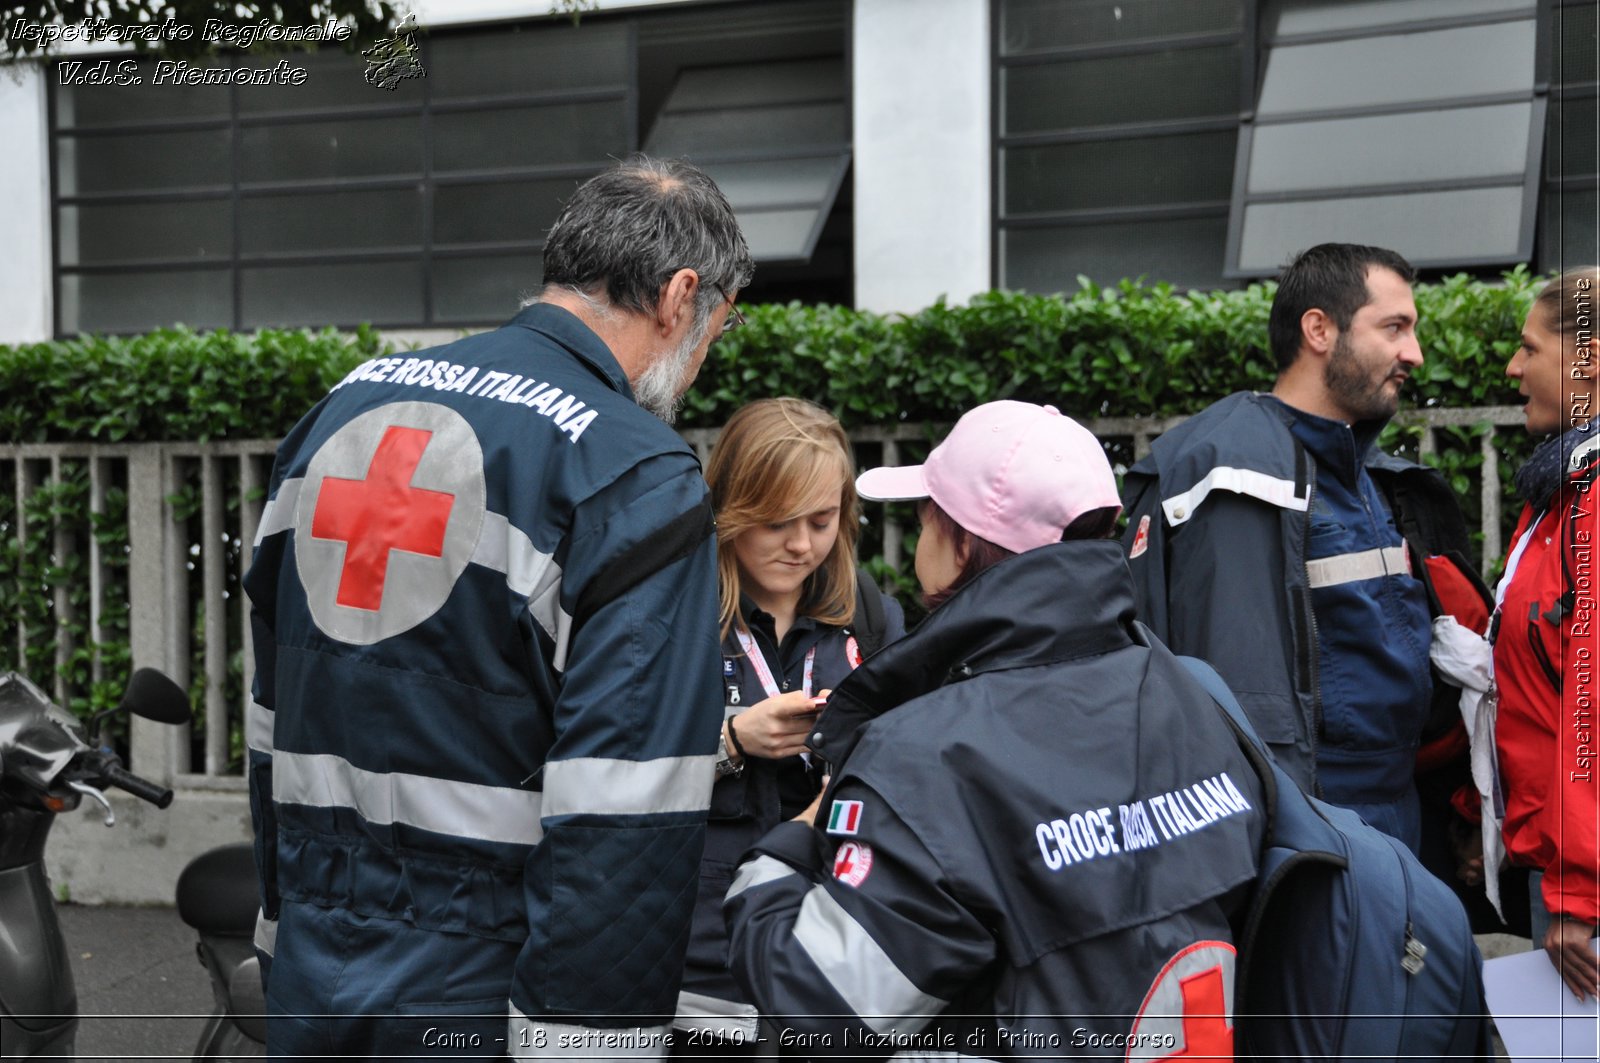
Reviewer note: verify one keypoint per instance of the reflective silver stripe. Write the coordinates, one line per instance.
(266, 933)
(278, 514)
(460, 809)
(858, 968)
(529, 572)
(527, 1039)
(601, 786)
(1179, 508)
(696, 1011)
(758, 872)
(258, 728)
(1365, 564)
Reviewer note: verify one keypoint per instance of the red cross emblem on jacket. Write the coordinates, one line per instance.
(381, 513)
(390, 513)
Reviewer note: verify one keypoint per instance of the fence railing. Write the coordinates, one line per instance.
(145, 546)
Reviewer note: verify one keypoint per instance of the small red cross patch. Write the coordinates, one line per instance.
(380, 514)
(1141, 538)
(852, 863)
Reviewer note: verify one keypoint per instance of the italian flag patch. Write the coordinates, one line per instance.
(845, 817)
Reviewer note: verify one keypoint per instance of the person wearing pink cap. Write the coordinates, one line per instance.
(1038, 823)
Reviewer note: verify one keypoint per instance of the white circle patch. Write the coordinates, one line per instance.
(389, 515)
(852, 863)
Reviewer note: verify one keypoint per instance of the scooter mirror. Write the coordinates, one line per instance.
(155, 697)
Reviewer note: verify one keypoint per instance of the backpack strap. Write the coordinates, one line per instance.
(871, 620)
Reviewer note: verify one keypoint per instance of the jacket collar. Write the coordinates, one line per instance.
(1057, 603)
(1336, 446)
(565, 328)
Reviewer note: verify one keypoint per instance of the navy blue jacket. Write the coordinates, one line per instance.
(484, 618)
(1221, 512)
(1037, 829)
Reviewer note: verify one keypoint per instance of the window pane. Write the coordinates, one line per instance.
(1032, 24)
(1186, 253)
(759, 84)
(288, 296)
(138, 302)
(778, 235)
(333, 221)
(1186, 83)
(764, 128)
(777, 182)
(1466, 226)
(1430, 146)
(334, 78)
(1119, 173)
(93, 235)
(142, 162)
(520, 210)
(558, 134)
(1569, 229)
(1421, 67)
(521, 59)
(111, 105)
(1321, 16)
(483, 291)
(307, 151)
(1577, 49)
(1571, 150)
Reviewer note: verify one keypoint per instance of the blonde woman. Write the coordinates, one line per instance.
(796, 619)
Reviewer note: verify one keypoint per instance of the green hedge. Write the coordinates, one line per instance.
(1127, 350)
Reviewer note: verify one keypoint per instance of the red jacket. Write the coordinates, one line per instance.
(1548, 674)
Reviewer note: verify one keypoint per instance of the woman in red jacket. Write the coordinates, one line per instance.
(1546, 651)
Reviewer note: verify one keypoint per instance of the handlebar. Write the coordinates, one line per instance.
(123, 779)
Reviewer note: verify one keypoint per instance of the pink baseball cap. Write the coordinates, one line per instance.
(1011, 472)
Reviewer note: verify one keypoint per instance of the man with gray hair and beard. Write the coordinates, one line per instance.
(487, 688)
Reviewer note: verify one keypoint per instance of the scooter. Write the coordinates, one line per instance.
(217, 897)
(48, 766)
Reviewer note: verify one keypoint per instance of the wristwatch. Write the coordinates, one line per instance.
(726, 765)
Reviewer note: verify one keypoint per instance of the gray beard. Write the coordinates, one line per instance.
(659, 388)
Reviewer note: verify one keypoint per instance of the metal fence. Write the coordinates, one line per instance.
(153, 540)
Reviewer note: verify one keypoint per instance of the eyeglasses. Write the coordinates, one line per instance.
(735, 318)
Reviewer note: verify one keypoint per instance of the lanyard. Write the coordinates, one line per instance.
(758, 661)
(1511, 570)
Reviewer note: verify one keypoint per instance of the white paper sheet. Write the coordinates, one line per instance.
(1537, 1016)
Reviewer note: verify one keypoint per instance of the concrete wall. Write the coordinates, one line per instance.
(25, 191)
(138, 860)
(922, 151)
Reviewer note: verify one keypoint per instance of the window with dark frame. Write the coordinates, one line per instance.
(337, 203)
(1415, 124)
(1116, 122)
(1108, 117)
(1569, 209)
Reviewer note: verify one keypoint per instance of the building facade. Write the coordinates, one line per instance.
(880, 153)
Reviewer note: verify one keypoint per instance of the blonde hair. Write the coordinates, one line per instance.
(1567, 303)
(772, 458)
